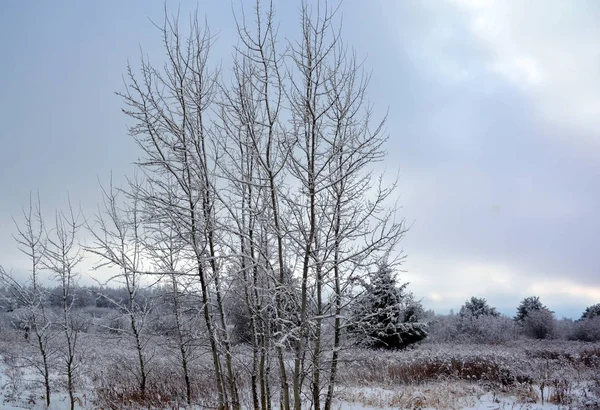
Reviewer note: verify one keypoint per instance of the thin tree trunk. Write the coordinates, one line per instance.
(46, 369)
(140, 352)
(338, 312)
(316, 382)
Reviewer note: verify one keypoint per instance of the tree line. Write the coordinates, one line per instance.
(478, 322)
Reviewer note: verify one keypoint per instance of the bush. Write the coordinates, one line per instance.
(118, 387)
(444, 328)
(539, 324)
(563, 328)
(587, 330)
(469, 329)
(487, 329)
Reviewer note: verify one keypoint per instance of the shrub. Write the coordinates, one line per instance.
(539, 324)
(487, 329)
(469, 329)
(587, 330)
(444, 328)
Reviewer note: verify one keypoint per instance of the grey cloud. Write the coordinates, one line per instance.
(488, 176)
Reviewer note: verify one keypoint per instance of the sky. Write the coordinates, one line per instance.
(494, 128)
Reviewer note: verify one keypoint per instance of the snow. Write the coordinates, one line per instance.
(21, 389)
(368, 379)
(488, 401)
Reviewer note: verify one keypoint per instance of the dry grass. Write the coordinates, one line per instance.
(164, 389)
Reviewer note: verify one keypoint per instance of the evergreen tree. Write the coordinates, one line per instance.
(528, 305)
(385, 315)
(591, 312)
(476, 307)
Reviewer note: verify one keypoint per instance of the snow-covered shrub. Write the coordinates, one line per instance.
(116, 385)
(444, 328)
(587, 330)
(539, 324)
(487, 329)
(564, 328)
(111, 322)
(469, 329)
(386, 315)
(238, 314)
(435, 362)
(5, 322)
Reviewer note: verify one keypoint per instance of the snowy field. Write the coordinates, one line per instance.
(518, 375)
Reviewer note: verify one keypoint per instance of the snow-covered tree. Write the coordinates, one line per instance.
(587, 327)
(587, 330)
(539, 324)
(385, 315)
(535, 318)
(529, 305)
(32, 296)
(591, 312)
(476, 307)
(268, 171)
(479, 322)
(117, 241)
(61, 259)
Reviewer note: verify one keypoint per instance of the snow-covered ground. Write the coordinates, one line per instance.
(450, 395)
(532, 375)
(20, 388)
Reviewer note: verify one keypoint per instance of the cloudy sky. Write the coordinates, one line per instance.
(494, 124)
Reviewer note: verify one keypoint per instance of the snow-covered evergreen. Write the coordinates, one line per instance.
(477, 307)
(385, 315)
(528, 305)
(591, 312)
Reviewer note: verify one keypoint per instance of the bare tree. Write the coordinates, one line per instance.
(170, 109)
(268, 182)
(62, 254)
(255, 149)
(31, 295)
(341, 216)
(117, 241)
(165, 251)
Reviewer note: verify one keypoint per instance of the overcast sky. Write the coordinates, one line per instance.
(494, 124)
